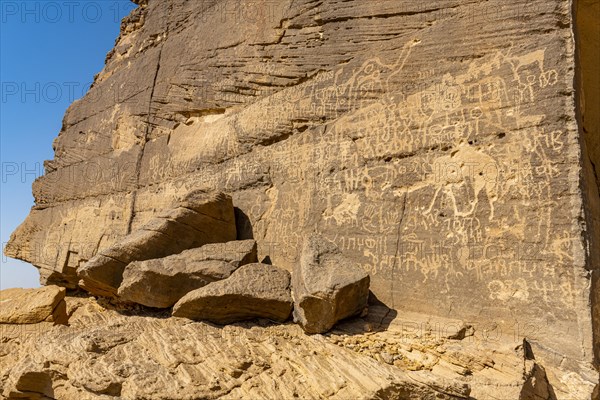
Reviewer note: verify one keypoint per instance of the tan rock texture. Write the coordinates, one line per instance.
(587, 30)
(445, 147)
(30, 306)
(253, 291)
(201, 217)
(161, 282)
(327, 287)
(108, 353)
(105, 354)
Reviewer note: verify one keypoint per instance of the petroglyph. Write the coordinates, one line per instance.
(463, 186)
(467, 172)
(506, 290)
(346, 212)
(436, 151)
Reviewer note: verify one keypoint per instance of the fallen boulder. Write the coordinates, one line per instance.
(161, 282)
(327, 287)
(200, 218)
(31, 306)
(253, 291)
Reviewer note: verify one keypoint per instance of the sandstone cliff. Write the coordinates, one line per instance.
(440, 145)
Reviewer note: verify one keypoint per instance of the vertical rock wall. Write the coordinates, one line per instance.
(587, 29)
(437, 144)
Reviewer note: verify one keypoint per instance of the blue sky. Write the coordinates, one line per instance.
(49, 54)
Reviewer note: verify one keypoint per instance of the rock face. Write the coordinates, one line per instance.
(162, 282)
(253, 291)
(445, 148)
(327, 287)
(30, 306)
(200, 218)
(106, 355)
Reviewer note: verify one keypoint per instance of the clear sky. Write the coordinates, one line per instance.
(49, 54)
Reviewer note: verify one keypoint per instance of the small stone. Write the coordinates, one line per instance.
(387, 357)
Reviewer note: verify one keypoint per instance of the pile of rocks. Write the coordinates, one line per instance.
(199, 218)
(188, 259)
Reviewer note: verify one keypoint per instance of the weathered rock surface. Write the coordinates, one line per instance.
(253, 291)
(199, 218)
(327, 287)
(439, 146)
(162, 282)
(30, 306)
(106, 354)
(31, 382)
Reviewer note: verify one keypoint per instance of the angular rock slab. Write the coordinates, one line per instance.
(327, 287)
(30, 306)
(161, 282)
(198, 219)
(253, 291)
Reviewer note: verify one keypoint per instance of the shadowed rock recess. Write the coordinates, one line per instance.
(415, 182)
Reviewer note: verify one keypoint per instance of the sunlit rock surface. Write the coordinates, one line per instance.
(447, 148)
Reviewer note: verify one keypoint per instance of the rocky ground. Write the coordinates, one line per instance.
(110, 352)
